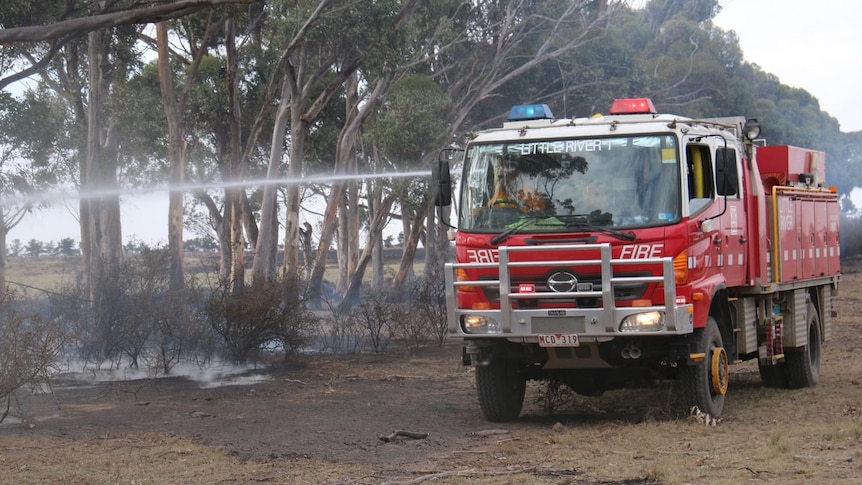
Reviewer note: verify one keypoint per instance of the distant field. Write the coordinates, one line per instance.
(50, 273)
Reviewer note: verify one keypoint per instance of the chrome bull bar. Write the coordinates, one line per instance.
(603, 323)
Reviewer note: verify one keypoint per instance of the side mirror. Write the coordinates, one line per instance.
(727, 175)
(441, 177)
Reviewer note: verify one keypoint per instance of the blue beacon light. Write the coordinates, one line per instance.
(525, 112)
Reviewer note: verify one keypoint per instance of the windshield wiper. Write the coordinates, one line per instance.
(587, 226)
(517, 226)
(587, 222)
(596, 221)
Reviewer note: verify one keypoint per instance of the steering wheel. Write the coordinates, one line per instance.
(504, 204)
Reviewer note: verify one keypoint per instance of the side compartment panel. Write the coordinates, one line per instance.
(746, 315)
(806, 238)
(833, 239)
(827, 296)
(795, 331)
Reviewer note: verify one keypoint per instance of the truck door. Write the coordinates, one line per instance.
(732, 257)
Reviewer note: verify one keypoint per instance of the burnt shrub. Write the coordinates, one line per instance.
(28, 347)
(374, 317)
(409, 326)
(427, 307)
(146, 324)
(257, 318)
(339, 333)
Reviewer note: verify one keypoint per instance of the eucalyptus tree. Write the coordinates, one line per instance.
(485, 48)
(174, 105)
(313, 71)
(503, 40)
(87, 51)
(396, 39)
(30, 131)
(410, 127)
(307, 72)
(45, 27)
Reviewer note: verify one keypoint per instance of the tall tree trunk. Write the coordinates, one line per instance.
(291, 226)
(351, 205)
(174, 108)
(177, 157)
(249, 223)
(233, 195)
(353, 222)
(103, 211)
(266, 250)
(343, 244)
(405, 268)
(375, 208)
(348, 230)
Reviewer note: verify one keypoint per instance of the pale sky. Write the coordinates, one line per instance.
(813, 45)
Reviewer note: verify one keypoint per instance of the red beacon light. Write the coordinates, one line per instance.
(633, 106)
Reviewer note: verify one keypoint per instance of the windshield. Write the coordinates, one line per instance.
(571, 184)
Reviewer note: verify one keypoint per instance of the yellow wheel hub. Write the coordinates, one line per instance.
(720, 374)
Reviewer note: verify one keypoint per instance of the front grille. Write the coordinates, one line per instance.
(622, 292)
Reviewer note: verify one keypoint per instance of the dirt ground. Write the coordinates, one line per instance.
(321, 419)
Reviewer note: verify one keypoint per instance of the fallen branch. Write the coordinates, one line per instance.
(396, 377)
(488, 432)
(460, 473)
(406, 434)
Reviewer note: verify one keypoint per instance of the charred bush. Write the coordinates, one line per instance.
(73, 310)
(257, 318)
(339, 333)
(427, 313)
(28, 347)
(410, 326)
(375, 317)
(146, 323)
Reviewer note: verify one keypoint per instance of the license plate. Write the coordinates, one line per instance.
(558, 340)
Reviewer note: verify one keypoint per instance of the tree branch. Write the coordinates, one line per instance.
(84, 25)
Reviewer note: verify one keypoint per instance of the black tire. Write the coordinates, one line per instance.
(773, 375)
(697, 379)
(803, 365)
(501, 386)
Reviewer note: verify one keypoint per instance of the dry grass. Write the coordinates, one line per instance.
(148, 459)
(27, 274)
(808, 436)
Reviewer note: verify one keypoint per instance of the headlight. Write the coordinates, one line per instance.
(480, 324)
(643, 322)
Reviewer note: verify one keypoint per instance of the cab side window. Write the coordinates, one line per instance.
(726, 173)
(701, 189)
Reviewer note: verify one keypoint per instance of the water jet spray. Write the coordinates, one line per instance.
(52, 196)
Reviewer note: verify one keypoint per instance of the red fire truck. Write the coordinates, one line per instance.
(637, 247)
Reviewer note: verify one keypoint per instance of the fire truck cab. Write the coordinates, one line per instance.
(634, 247)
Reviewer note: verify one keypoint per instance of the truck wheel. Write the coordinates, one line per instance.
(704, 384)
(772, 375)
(501, 386)
(803, 365)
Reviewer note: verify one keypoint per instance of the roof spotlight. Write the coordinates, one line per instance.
(752, 129)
